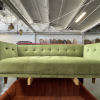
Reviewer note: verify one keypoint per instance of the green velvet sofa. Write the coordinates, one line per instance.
(50, 61)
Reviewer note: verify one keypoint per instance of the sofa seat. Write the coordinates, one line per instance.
(46, 89)
(47, 98)
(50, 65)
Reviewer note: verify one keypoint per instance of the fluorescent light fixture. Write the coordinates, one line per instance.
(80, 17)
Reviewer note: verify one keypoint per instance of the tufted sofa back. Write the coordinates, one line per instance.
(50, 50)
(92, 51)
(7, 50)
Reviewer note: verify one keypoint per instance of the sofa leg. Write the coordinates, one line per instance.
(93, 80)
(76, 81)
(5, 80)
(30, 80)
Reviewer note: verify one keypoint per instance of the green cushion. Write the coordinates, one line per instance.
(50, 50)
(92, 51)
(7, 50)
(50, 65)
(56, 61)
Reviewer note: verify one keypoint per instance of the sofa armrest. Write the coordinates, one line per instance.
(85, 93)
(5, 96)
(7, 50)
(9, 93)
(92, 51)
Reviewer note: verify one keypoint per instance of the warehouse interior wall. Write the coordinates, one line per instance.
(14, 38)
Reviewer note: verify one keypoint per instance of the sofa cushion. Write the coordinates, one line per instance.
(50, 50)
(48, 98)
(50, 65)
(92, 51)
(8, 50)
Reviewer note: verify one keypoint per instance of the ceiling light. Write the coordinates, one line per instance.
(20, 31)
(11, 27)
(80, 17)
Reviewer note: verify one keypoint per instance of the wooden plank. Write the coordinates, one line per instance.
(30, 80)
(76, 81)
(93, 80)
(5, 80)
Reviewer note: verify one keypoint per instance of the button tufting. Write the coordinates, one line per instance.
(58, 49)
(95, 49)
(6, 48)
(66, 49)
(88, 50)
(74, 49)
(12, 49)
(26, 50)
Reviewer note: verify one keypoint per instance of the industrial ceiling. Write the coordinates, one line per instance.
(56, 15)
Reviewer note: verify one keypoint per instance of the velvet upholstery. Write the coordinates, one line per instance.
(50, 65)
(8, 50)
(47, 89)
(52, 61)
(50, 50)
(92, 51)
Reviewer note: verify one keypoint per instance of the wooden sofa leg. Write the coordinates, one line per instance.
(93, 80)
(30, 80)
(76, 81)
(5, 80)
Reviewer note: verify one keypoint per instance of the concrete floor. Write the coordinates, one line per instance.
(94, 89)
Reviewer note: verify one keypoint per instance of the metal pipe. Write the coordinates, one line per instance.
(38, 10)
(70, 12)
(38, 27)
(60, 11)
(11, 6)
(83, 2)
(77, 17)
(91, 25)
(89, 14)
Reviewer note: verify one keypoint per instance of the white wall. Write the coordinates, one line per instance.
(70, 37)
(91, 37)
(15, 38)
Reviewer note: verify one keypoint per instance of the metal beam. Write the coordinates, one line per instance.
(38, 27)
(77, 16)
(77, 11)
(11, 6)
(57, 34)
(83, 38)
(91, 25)
(48, 14)
(89, 14)
(54, 29)
(44, 28)
(46, 6)
(61, 10)
(38, 10)
(70, 12)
